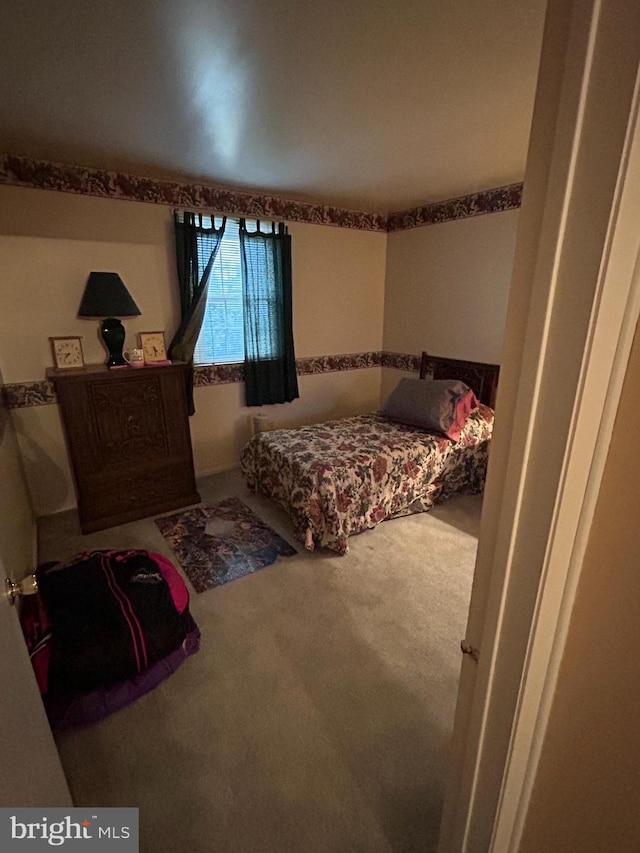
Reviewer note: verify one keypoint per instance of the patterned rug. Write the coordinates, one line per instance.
(220, 543)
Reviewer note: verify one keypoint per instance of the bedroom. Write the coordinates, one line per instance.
(62, 234)
(221, 423)
(340, 274)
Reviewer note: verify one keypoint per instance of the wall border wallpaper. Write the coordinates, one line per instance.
(24, 395)
(40, 174)
(477, 204)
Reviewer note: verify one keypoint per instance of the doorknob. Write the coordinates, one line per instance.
(27, 586)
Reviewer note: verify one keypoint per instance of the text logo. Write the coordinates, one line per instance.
(70, 829)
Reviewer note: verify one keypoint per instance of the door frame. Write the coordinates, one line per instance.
(578, 244)
(32, 774)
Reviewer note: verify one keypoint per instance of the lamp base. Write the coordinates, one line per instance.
(112, 332)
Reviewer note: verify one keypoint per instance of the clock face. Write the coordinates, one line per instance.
(67, 352)
(153, 346)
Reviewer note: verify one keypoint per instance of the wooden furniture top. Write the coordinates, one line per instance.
(93, 370)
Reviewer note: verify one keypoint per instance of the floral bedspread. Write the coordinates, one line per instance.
(344, 476)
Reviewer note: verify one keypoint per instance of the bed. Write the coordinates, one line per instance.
(341, 477)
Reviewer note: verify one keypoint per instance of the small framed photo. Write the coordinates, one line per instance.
(153, 346)
(67, 353)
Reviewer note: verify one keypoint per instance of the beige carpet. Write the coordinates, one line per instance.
(316, 716)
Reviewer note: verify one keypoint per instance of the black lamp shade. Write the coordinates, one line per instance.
(106, 296)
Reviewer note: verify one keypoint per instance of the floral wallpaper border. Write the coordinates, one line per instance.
(477, 204)
(40, 174)
(23, 395)
(400, 361)
(222, 374)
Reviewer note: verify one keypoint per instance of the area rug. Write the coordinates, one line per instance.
(221, 543)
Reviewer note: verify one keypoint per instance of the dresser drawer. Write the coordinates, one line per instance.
(139, 495)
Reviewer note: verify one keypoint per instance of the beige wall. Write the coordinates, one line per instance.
(220, 426)
(447, 287)
(50, 241)
(587, 787)
(339, 277)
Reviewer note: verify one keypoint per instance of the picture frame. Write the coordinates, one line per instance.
(154, 348)
(67, 352)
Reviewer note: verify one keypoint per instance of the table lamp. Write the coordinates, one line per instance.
(105, 296)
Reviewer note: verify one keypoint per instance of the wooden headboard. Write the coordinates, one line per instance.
(481, 378)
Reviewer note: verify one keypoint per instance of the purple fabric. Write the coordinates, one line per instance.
(73, 710)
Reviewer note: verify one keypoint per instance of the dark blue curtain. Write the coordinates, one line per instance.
(270, 362)
(193, 237)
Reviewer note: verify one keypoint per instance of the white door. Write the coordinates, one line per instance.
(575, 302)
(31, 771)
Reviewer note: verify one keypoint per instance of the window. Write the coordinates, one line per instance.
(221, 338)
(247, 316)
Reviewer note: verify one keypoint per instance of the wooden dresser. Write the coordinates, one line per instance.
(128, 438)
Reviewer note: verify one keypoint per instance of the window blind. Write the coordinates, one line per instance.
(221, 338)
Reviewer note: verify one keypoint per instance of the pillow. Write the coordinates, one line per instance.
(439, 405)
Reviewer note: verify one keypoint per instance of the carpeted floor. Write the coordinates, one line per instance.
(316, 716)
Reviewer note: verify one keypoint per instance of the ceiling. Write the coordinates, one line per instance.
(375, 105)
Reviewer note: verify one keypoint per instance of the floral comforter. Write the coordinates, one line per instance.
(344, 476)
